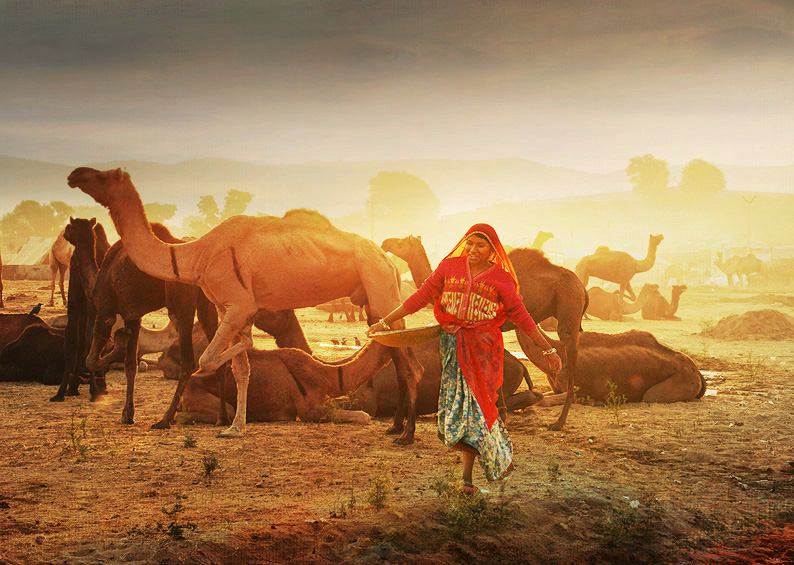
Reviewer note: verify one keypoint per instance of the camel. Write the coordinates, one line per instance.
(607, 305)
(60, 256)
(643, 370)
(541, 238)
(617, 266)
(741, 267)
(378, 396)
(12, 326)
(550, 290)
(1, 282)
(250, 263)
(342, 306)
(410, 250)
(678, 272)
(122, 289)
(657, 308)
(289, 383)
(81, 313)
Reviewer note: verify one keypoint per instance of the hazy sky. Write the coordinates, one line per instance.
(583, 84)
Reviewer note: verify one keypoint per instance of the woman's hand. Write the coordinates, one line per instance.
(555, 363)
(376, 327)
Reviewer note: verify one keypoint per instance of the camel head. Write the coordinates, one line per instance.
(655, 240)
(99, 185)
(402, 246)
(79, 231)
(678, 289)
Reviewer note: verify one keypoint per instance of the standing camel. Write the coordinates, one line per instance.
(123, 289)
(60, 256)
(617, 266)
(91, 245)
(250, 263)
(410, 250)
(550, 290)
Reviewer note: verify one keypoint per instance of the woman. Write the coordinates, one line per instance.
(475, 289)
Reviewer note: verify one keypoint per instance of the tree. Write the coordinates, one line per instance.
(648, 174)
(31, 218)
(701, 178)
(402, 203)
(210, 215)
(161, 213)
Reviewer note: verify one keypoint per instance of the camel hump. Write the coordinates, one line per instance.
(602, 248)
(525, 257)
(164, 234)
(309, 217)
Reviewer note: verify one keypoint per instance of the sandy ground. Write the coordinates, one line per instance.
(702, 482)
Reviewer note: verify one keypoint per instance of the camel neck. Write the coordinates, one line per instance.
(420, 268)
(650, 259)
(150, 255)
(361, 368)
(86, 265)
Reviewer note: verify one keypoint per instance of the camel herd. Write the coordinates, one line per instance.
(250, 272)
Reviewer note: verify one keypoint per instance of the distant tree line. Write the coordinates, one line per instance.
(651, 177)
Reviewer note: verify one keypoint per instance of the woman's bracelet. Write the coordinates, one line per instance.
(383, 323)
(547, 352)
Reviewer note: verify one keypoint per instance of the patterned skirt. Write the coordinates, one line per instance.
(460, 417)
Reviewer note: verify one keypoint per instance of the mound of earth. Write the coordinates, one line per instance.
(755, 324)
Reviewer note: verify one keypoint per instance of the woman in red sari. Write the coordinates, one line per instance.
(475, 289)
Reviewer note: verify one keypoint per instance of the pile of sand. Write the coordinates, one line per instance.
(756, 324)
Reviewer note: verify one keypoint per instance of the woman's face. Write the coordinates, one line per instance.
(477, 250)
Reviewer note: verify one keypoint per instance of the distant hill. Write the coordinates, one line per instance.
(339, 188)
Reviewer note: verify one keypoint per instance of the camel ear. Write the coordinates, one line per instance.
(71, 219)
(419, 237)
(119, 174)
(92, 222)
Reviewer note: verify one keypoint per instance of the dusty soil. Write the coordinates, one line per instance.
(710, 481)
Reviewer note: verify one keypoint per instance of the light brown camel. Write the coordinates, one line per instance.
(741, 267)
(541, 238)
(60, 256)
(250, 263)
(657, 308)
(342, 306)
(550, 290)
(643, 370)
(289, 383)
(410, 250)
(617, 266)
(607, 305)
(677, 271)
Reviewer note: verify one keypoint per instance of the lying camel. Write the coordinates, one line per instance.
(286, 384)
(378, 396)
(607, 305)
(657, 308)
(643, 369)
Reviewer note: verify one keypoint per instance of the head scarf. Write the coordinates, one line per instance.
(498, 255)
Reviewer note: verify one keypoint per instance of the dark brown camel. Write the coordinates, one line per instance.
(617, 266)
(290, 383)
(657, 308)
(123, 289)
(81, 312)
(643, 370)
(12, 326)
(549, 290)
(379, 395)
(1, 282)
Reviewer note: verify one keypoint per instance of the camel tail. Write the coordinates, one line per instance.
(702, 386)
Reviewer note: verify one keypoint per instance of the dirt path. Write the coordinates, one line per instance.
(688, 482)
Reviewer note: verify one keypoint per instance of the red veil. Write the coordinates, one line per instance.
(499, 255)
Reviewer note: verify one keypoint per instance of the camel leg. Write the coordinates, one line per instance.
(241, 370)
(131, 370)
(679, 387)
(53, 273)
(61, 277)
(570, 343)
(398, 425)
(208, 318)
(236, 324)
(409, 375)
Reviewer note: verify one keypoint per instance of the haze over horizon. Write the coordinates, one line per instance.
(578, 85)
